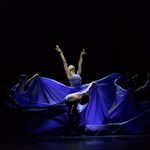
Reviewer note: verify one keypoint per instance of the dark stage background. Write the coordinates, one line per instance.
(115, 35)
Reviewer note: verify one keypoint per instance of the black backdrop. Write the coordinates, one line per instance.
(115, 35)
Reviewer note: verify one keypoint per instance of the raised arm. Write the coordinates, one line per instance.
(144, 87)
(81, 61)
(28, 81)
(89, 87)
(63, 60)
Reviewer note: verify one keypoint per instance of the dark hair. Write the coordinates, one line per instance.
(84, 99)
(22, 77)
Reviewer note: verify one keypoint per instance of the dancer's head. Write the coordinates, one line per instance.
(84, 99)
(22, 78)
(71, 68)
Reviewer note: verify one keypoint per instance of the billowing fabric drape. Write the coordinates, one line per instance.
(110, 109)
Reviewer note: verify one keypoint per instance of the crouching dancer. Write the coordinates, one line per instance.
(72, 100)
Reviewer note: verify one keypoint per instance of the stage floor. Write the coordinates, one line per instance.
(115, 142)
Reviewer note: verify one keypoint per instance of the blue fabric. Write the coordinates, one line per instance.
(42, 92)
(31, 121)
(110, 109)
